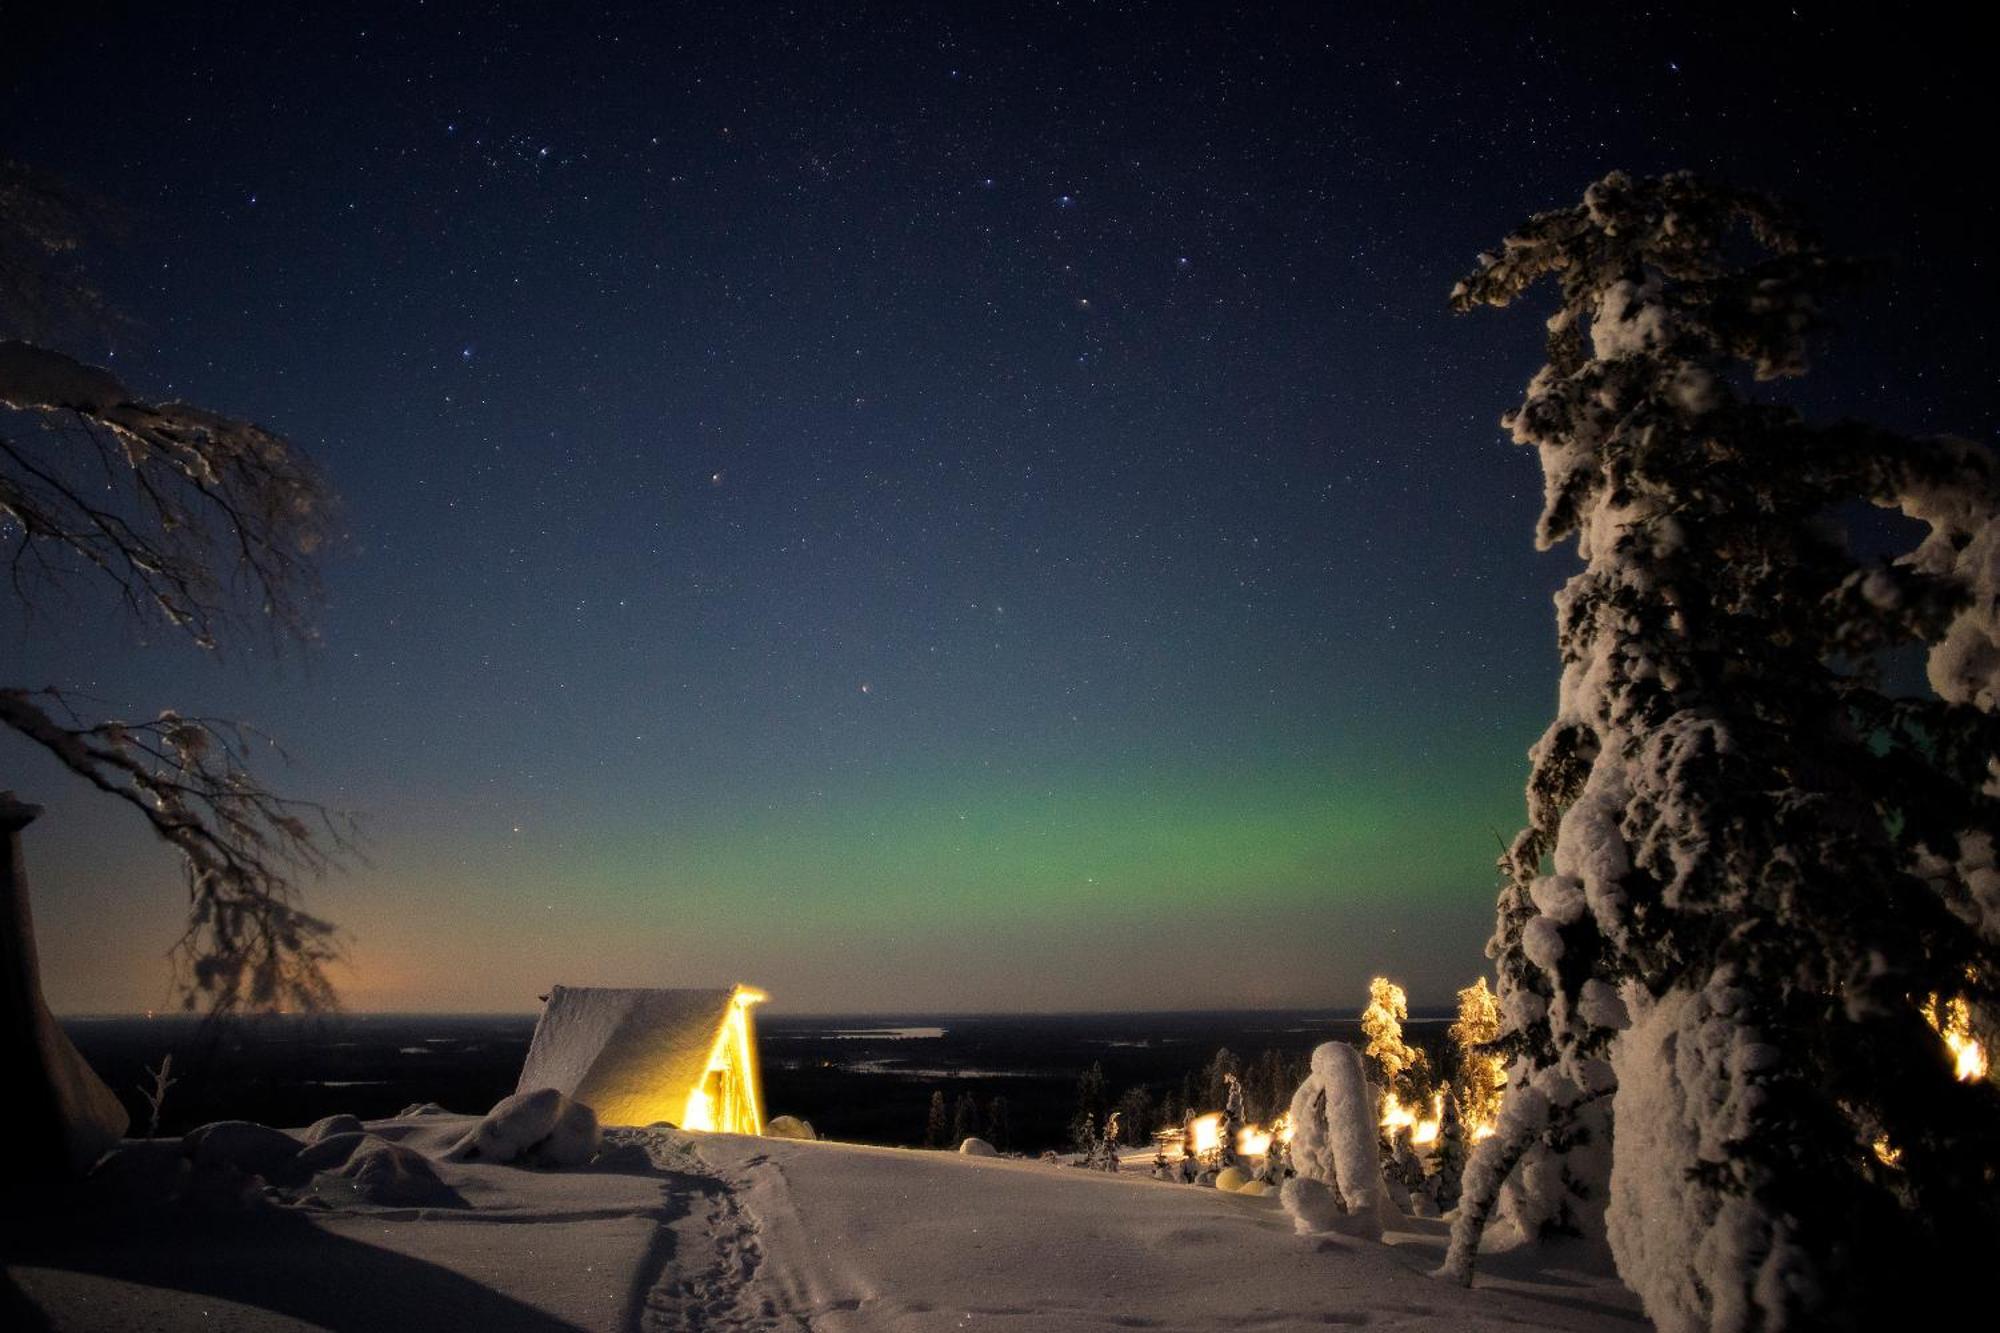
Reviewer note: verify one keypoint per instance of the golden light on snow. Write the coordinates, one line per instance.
(1396, 1116)
(1952, 1020)
(728, 1098)
(1251, 1140)
(1255, 1140)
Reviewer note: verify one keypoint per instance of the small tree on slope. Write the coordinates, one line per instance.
(1746, 866)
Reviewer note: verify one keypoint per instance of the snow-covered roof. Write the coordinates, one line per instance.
(629, 1053)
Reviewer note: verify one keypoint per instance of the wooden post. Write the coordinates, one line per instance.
(69, 1116)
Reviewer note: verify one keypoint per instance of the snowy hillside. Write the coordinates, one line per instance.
(670, 1231)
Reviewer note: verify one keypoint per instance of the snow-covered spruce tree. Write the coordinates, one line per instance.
(1448, 1154)
(1382, 1025)
(1227, 1155)
(999, 1129)
(936, 1125)
(1276, 1165)
(1092, 1100)
(1214, 1079)
(1135, 1113)
(1481, 1072)
(1746, 866)
(1105, 1153)
(1402, 1071)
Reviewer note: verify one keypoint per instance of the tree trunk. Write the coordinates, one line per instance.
(59, 1100)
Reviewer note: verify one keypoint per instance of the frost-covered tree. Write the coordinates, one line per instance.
(937, 1126)
(1448, 1154)
(1480, 1069)
(964, 1118)
(1228, 1154)
(1276, 1166)
(1215, 1079)
(1334, 1151)
(1401, 1070)
(190, 522)
(1105, 1152)
(1382, 1024)
(1135, 1113)
(999, 1126)
(1402, 1166)
(1747, 865)
(1163, 1167)
(1093, 1097)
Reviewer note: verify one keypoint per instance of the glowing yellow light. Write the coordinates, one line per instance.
(741, 1109)
(1952, 1020)
(1207, 1132)
(1396, 1116)
(753, 1092)
(1886, 1153)
(1253, 1142)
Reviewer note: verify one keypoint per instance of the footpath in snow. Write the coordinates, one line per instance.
(670, 1231)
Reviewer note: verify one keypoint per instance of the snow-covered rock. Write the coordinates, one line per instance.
(542, 1128)
(788, 1127)
(331, 1125)
(375, 1171)
(978, 1147)
(1311, 1204)
(251, 1148)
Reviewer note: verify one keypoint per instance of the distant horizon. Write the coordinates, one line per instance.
(1427, 1013)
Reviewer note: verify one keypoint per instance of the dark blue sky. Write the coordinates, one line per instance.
(913, 508)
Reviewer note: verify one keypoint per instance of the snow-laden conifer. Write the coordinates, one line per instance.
(1747, 866)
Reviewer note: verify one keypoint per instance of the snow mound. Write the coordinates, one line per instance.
(788, 1127)
(256, 1150)
(375, 1171)
(540, 1128)
(978, 1147)
(330, 1126)
(1311, 1204)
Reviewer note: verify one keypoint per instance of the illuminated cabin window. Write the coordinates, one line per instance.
(727, 1097)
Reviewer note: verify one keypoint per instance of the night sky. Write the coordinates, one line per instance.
(983, 508)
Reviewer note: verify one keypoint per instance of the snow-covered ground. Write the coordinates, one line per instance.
(670, 1231)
